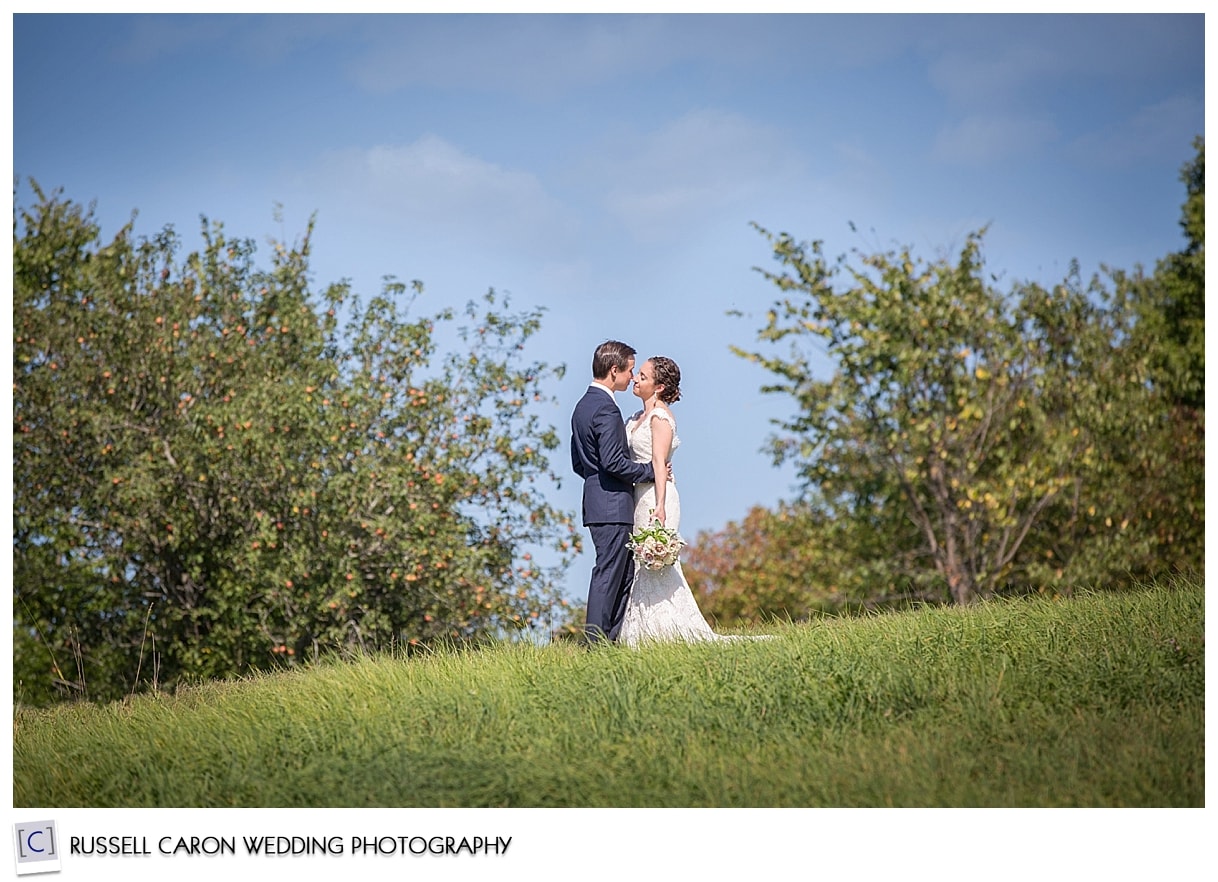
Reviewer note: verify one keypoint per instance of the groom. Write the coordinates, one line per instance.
(600, 456)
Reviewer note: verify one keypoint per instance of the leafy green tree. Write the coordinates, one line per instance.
(743, 572)
(212, 476)
(975, 440)
(1173, 303)
(1151, 476)
(770, 564)
(795, 561)
(952, 407)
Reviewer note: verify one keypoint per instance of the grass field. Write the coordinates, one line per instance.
(1093, 701)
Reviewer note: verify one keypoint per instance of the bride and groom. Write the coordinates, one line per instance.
(619, 462)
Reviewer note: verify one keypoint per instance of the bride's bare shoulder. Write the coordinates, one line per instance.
(662, 412)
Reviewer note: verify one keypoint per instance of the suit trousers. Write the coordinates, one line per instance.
(609, 588)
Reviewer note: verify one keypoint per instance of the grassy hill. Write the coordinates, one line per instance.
(1097, 700)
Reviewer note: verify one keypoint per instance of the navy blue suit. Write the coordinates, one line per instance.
(599, 455)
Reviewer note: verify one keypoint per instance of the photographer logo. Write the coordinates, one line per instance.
(36, 846)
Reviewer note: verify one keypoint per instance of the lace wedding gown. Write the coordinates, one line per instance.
(661, 606)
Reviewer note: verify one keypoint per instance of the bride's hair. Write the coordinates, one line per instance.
(668, 375)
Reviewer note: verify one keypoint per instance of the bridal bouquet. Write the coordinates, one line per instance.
(655, 547)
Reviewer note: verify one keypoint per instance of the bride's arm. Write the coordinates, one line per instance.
(661, 446)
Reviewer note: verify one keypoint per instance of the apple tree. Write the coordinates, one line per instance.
(219, 469)
(951, 407)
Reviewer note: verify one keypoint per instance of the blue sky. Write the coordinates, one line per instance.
(608, 167)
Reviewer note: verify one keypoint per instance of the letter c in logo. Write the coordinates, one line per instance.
(29, 841)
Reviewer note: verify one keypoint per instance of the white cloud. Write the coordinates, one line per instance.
(431, 185)
(521, 54)
(1014, 58)
(985, 140)
(995, 73)
(700, 165)
(541, 57)
(1162, 130)
(155, 37)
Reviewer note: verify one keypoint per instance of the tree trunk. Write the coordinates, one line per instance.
(961, 588)
(960, 582)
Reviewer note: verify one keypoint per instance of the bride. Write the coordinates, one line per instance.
(661, 606)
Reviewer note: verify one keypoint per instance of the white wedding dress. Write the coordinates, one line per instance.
(661, 606)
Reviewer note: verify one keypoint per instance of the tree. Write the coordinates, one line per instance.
(973, 440)
(742, 573)
(212, 476)
(1154, 473)
(1173, 329)
(1173, 304)
(952, 407)
(796, 561)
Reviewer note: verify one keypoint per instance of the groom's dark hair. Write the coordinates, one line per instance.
(609, 355)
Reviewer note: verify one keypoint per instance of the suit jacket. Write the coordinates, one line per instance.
(600, 455)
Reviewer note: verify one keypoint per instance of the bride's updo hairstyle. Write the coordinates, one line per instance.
(668, 375)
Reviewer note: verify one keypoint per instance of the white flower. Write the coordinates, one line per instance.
(656, 547)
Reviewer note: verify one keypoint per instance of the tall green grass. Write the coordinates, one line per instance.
(1093, 701)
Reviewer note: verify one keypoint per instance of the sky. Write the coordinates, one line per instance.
(609, 168)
